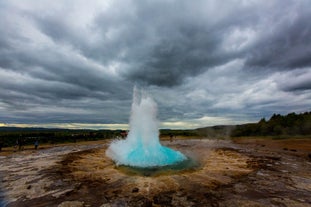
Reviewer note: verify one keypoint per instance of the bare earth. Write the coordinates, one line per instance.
(242, 172)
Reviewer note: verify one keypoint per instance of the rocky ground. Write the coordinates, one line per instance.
(242, 172)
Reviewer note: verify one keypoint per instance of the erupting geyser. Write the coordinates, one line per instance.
(142, 147)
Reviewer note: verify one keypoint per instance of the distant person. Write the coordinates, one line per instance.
(16, 144)
(36, 144)
(171, 138)
(20, 143)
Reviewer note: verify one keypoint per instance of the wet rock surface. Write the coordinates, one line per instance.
(230, 174)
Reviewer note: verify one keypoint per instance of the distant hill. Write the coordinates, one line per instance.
(289, 125)
(220, 131)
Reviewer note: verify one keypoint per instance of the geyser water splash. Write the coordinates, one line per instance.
(142, 147)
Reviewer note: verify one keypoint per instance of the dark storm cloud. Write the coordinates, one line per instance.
(68, 61)
(287, 42)
(45, 79)
(158, 44)
(163, 44)
(172, 60)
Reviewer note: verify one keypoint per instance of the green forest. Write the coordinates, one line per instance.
(289, 125)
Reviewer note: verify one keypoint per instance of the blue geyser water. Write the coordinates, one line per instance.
(142, 147)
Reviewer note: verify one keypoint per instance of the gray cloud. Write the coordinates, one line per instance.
(286, 42)
(296, 80)
(239, 60)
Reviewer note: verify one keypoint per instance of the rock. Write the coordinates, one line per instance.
(120, 203)
(147, 203)
(106, 205)
(163, 199)
(71, 204)
(140, 201)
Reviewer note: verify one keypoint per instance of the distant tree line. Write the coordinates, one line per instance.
(288, 125)
(10, 136)
(278, 125)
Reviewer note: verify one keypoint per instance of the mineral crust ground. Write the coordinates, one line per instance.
(242, 172)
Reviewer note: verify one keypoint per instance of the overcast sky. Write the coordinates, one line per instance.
(74, 63)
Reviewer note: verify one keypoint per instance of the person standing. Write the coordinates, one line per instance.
(171, 138)
(36, 144)
(20, 143)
